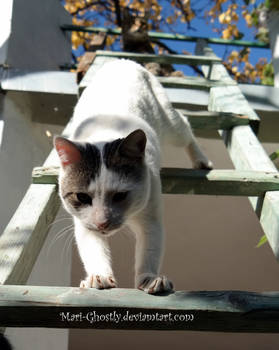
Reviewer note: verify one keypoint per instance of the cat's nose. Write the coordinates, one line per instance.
(102, 225)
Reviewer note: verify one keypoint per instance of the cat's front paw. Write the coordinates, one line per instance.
(155, 284)
(98, 282)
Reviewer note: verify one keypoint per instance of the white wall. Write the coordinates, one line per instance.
(36, 40)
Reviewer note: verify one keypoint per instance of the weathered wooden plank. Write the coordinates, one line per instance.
(67, 307)
(166, 36)
(229, 98)
(214, 120)
(171, 59)
(218, 182)
(193, 181)
(24, 236)
(245, 150)
(195, 83)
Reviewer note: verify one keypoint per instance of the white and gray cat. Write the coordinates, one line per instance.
(110, 170)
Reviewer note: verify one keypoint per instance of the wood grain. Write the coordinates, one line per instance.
(68, 307)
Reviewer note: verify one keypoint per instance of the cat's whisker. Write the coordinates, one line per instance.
(127, 233)
(67, 244)
(59, 220)
(59, 235)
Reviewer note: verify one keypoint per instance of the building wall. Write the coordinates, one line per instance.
(36, 41)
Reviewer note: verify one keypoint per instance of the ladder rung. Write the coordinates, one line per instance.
(68, 307)
(214, 120)
(169, 59)
(195, 83)
(193, 181)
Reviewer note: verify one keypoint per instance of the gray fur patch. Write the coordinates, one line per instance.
(123, 166)
(78, 176)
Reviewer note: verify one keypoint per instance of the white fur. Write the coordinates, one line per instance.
(121, 98)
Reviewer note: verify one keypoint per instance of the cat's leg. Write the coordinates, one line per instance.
(183, 136)
(150, 245)
(176, 128)
(198, 158)
(95, 255)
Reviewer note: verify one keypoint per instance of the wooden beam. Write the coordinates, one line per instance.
(168, 59)
(214, 120)
(218, 182)
(68, 307)
(195, 83)
(167, 36)
(244, 148)
(24, 236)
(193, 181)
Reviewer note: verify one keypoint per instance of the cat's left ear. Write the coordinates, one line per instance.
(133, 146)
(67, 151)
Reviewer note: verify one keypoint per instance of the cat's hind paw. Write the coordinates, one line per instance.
(156, 284)
(98, 282)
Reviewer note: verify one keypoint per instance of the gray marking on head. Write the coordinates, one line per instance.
(123, 166)
(79, 175)
(126, 156)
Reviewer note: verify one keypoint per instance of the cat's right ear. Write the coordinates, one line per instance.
(67, 151)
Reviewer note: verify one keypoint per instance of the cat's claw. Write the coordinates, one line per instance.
(156, 284)
(98, 282)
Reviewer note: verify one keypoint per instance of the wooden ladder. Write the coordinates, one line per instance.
(255, 177)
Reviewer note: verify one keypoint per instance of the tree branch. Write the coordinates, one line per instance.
(118, 13)
(101, 3)
(185, 14)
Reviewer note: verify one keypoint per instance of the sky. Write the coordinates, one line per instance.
(200, 28)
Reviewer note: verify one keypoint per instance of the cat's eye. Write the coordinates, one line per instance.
(120, 196)
(84, 198)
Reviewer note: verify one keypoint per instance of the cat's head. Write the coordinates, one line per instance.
(103, 186)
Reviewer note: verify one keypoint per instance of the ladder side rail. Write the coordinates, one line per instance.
(25, 234)
(244, 148)
(27, 230)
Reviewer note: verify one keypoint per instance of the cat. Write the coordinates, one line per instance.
(110, 170)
